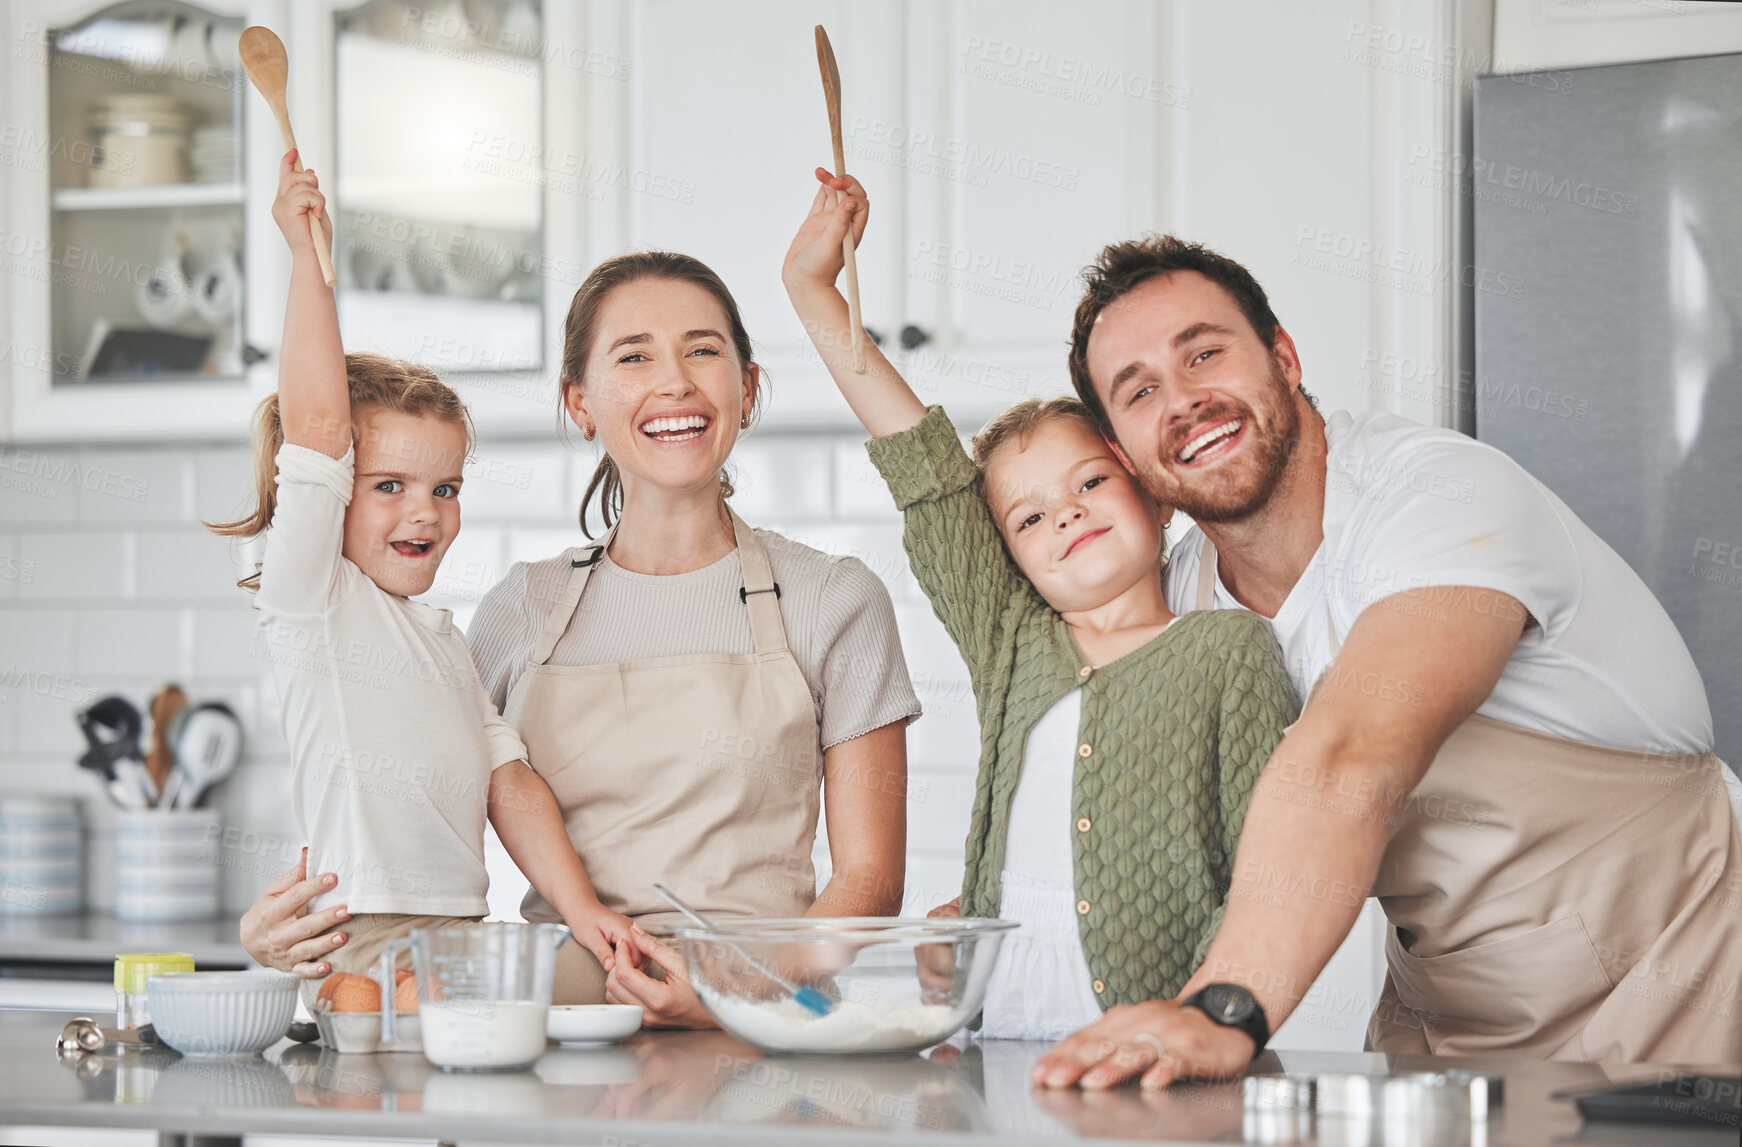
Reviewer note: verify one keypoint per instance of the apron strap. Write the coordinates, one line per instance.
(760, 592)
(580, 569)
(1206, 576)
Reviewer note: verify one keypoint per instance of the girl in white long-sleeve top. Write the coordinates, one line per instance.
(398, 753)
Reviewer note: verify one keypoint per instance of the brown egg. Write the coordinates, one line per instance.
(405, 990)
(346, 992)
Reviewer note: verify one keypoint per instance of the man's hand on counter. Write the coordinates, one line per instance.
(279, 931)
(1158, 1040)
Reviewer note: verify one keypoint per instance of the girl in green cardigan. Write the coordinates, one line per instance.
(1118, 743)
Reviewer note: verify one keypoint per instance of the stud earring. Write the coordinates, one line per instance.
(744, 423)
(589, 432)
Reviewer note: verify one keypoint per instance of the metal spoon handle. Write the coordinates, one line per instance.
(703, 922)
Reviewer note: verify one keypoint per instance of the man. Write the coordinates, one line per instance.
(1565, 880)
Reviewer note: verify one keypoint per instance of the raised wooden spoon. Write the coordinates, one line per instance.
(263, 57)
(832, 93)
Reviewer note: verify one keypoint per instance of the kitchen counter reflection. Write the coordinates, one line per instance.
(692, 1087)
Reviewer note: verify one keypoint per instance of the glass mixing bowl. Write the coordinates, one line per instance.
(893, 984)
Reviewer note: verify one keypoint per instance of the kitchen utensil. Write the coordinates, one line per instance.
(267, 66)
(903, 983)
(221, 1013)
(483, 992)
(832, 96)
(593, 1023)
(208, 743)
(111, 726)
(807, 997)
(159, 757)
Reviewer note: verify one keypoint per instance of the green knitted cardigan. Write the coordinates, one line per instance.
(1172, 739)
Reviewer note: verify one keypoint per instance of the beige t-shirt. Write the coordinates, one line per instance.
(840, 625)
(392, 736)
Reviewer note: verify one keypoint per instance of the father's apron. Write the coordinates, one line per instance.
(700, 772)
(1558, 900)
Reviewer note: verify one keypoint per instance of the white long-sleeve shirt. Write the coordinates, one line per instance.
(393, 738)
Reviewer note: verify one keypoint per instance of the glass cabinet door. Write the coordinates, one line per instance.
(438, 197)
(146, 194)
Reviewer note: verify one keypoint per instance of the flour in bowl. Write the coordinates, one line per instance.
(787, 1025)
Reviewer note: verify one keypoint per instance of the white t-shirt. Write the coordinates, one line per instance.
(1041, 986)
(392, 736)
(1407, 506)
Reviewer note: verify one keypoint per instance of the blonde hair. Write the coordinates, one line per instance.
(376, 382)
(1021, 420)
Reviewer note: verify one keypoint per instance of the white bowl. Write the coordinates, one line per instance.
(592, 1023)
(221, 1013)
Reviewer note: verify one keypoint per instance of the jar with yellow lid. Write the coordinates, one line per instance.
(131, 972)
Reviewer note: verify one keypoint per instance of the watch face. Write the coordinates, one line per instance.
(1228, 1004)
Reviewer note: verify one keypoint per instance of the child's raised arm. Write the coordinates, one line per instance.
(314, 401)
(880, 397)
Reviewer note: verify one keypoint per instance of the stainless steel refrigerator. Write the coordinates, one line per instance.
(1612, 199)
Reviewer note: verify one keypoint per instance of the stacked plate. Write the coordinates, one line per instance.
(166, 865)
(214, 153)
(142, 138)
(42, 856)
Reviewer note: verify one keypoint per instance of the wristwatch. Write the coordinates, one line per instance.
(1233, 1007)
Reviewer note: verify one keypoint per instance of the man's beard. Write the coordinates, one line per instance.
(1232, 493)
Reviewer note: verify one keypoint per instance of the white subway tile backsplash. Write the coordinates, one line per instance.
(532, 545)
(784, 477)
(130, 486)
(13, 568)
(38, 485)
(190, 565)
(40, 640)
(75, 567)
(224, 643)
(129, 643)
(859, 488)
(46, 719)
(223, 483)
(516, 483)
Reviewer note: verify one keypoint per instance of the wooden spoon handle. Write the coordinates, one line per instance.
(832, 96)
(322, 254)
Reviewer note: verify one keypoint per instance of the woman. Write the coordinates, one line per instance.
(686, 683)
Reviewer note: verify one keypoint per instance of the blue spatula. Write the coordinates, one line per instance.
(809, 998)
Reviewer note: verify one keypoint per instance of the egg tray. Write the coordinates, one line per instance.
(359, 1033)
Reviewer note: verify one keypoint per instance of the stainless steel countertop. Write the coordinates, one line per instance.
(96, 938)
(706, 1087)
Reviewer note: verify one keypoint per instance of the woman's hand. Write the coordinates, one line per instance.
(668, 1003)
(280, 932)
(299, 196)
(815, 259)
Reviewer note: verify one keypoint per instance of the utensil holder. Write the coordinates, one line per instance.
(42, 856)
(167, 864)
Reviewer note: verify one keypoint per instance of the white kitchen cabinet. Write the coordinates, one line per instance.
(95, 220)
(445, 310)
(1541, 35)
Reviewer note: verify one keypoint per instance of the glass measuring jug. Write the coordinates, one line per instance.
(483, 992)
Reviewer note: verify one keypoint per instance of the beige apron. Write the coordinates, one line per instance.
(701, 772)
(1558, 900)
